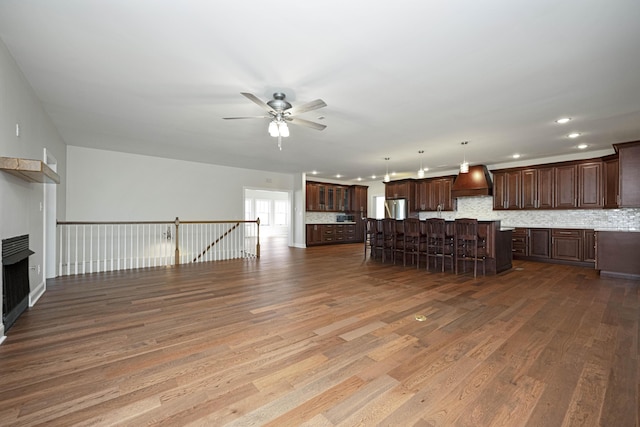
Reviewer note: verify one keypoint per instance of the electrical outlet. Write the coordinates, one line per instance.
(38, 269)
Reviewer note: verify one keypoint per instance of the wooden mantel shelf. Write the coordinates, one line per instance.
(29, 170)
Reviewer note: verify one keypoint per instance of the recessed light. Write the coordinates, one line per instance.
(314, 172)
(373, 177)
(393, 174)
(582, 146)
(359, 179)
(338, 176)
(574, 135)
(516, 156)
(563, 120)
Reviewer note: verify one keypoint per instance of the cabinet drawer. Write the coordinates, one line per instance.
(566, 232)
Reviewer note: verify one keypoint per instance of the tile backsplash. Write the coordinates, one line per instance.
(482, 208)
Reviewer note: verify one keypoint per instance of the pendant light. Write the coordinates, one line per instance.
(420, 171)
(387, 178)
(464, 166)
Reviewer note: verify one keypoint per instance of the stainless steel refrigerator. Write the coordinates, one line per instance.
(396, 209)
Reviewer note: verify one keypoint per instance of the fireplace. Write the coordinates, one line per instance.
(15, 278)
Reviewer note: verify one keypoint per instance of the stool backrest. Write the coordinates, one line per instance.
(436, 227)
(466, 228)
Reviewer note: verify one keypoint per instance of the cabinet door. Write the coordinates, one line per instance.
(529, 189)
(590, 185)
(566, 187)
(567, 244)
(322, 197)
(339, 198)
(506, 190)
(513, 189)
(629, 163)
(539, 242)
(312, 196)
(519, 241)
(546, 188)
(589, 250)
(331, 191)
(440, 194)
(314, 234)
(610, 184)
(499, 192)
(422, 196)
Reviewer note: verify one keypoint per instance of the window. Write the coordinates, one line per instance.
(263, 211)
(248, 211)
(280, 212)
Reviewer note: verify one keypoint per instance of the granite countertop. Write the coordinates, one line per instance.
(622, 229)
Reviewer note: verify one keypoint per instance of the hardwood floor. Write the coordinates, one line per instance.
(319, 337)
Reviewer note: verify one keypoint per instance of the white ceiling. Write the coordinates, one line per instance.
(156, 77)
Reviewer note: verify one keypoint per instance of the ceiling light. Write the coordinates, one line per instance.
(315, 172)
(420, 171)
(387, 178)
(464, 166)
(359, 179)
(582, 146)
(373, 177)
(338, 176)
(516, 156)
(574, 135)
(563, 120)
(284, 129)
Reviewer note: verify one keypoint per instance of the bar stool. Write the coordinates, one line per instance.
(377, 237)
(398, 245)
(414, 241)
(469, 245)
(388, 238)
(439, 245)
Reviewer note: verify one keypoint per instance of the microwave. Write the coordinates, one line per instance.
(344, 218)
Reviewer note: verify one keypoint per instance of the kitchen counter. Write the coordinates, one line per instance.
(331, 222)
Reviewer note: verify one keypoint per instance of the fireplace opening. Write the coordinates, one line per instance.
(15, 278)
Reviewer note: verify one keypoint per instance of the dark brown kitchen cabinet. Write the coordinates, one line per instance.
(507, 190)
(423, 191)
(546, 188)
(567, 244)
(610, 176)
(566, 187)
(629, 174)
(589, 248)
(402, 189)
(440, 194)
(327, 197)
(312, 197)
(519, 239)
(539, 243)
(529, 199)
(314, 234)
(359, 200)
(590, 185)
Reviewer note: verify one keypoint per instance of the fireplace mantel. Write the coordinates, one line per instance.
(29, 170)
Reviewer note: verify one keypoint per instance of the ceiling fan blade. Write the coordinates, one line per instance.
(307, 123)
(309, 106)
(257, 100)
(252, 117)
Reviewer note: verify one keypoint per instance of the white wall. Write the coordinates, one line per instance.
(113, 186)
(20, 200)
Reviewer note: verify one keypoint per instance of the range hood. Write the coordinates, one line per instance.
(476, 182)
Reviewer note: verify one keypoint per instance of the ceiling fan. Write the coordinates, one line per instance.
(282, 112)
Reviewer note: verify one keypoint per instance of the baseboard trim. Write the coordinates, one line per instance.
(36, 293)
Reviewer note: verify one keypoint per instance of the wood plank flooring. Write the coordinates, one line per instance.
(319, 337)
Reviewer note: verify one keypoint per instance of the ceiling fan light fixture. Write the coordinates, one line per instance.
(273, 129)
(283, 129)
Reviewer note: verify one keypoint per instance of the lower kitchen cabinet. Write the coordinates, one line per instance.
(564, 245)
(327, 234)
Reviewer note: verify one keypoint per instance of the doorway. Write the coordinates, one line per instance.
(274, 210)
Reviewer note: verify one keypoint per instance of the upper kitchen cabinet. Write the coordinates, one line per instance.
(440, 194)
(507, 190)
(611, 179)
(325, 197)
(402, 189)
(590, 185)
(566, 179)
(629, 174)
